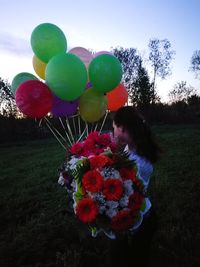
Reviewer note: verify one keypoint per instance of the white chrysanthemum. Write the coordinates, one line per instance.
(116, 174)
(61, 180)
(124, 201)
(74, 185)
(128, 187)
(102, 209)
(74, 204)
(111, 212)
(112, 204)
(72, 163)
(109, 172)
(99, 197)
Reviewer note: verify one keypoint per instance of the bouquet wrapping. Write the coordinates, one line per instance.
(108, 196)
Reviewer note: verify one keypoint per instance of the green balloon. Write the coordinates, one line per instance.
(20, 78)
(48, 40)
(105, 72)
(92, 105)
(66, 76)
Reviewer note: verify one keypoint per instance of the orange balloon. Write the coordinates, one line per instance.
(117, 97)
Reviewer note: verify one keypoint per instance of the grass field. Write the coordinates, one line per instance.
(37, 229)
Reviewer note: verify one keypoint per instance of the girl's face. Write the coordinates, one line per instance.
(120, 135)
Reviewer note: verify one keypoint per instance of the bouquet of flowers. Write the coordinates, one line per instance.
(103, 183)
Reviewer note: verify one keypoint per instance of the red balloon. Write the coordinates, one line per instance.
(117, 97)
(34, 98)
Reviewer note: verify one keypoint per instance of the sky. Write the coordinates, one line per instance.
(100, 25)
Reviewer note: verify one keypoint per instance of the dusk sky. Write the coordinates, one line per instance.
(101, 25)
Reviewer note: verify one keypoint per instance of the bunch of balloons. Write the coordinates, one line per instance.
(69, 82)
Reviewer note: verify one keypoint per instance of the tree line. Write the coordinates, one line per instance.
(184, 101)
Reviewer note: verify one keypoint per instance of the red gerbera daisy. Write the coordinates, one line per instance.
(92, 181)
(93, 136)
(100, 161)
(113, 189)
(113, 147)
(76, 149)
(138, 183)
(104, 140)
(135, 201)
(127, 174)
(87, 210)
(123, 220)
(97, 150)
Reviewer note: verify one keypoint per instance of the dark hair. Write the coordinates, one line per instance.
(133, 122)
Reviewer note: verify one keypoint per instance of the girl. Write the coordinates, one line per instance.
(131, 130)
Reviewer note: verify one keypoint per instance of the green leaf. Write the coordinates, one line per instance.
(143, 207)
(122, 159)
(79, 193)
(137, 218)
(81, 168)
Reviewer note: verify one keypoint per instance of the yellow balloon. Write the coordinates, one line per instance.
(92, 105)
(39, 67)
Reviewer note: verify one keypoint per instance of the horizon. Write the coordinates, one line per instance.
(103, 25)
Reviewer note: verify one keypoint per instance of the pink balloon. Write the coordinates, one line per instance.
(101, 52)
(83, 54)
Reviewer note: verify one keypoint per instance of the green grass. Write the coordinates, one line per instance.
(37, 229)
(175, 194)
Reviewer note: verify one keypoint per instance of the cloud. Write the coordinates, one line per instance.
(14, 44)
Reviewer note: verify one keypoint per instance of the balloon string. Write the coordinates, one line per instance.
(70, 135)
(70, 131)
(95, 129)
(55, 136)
(40, 122)
(74, 125)
(87, 132)
(82, 134)
(65, 131)
(79, 125)
(55, 129)
(102, 125)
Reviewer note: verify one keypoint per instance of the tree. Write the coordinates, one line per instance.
(194, 100)
(130, 61)
(135, 77)
(195, 63)
(181, 92)
(143, 94)
(7, 101)
(160, 57)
